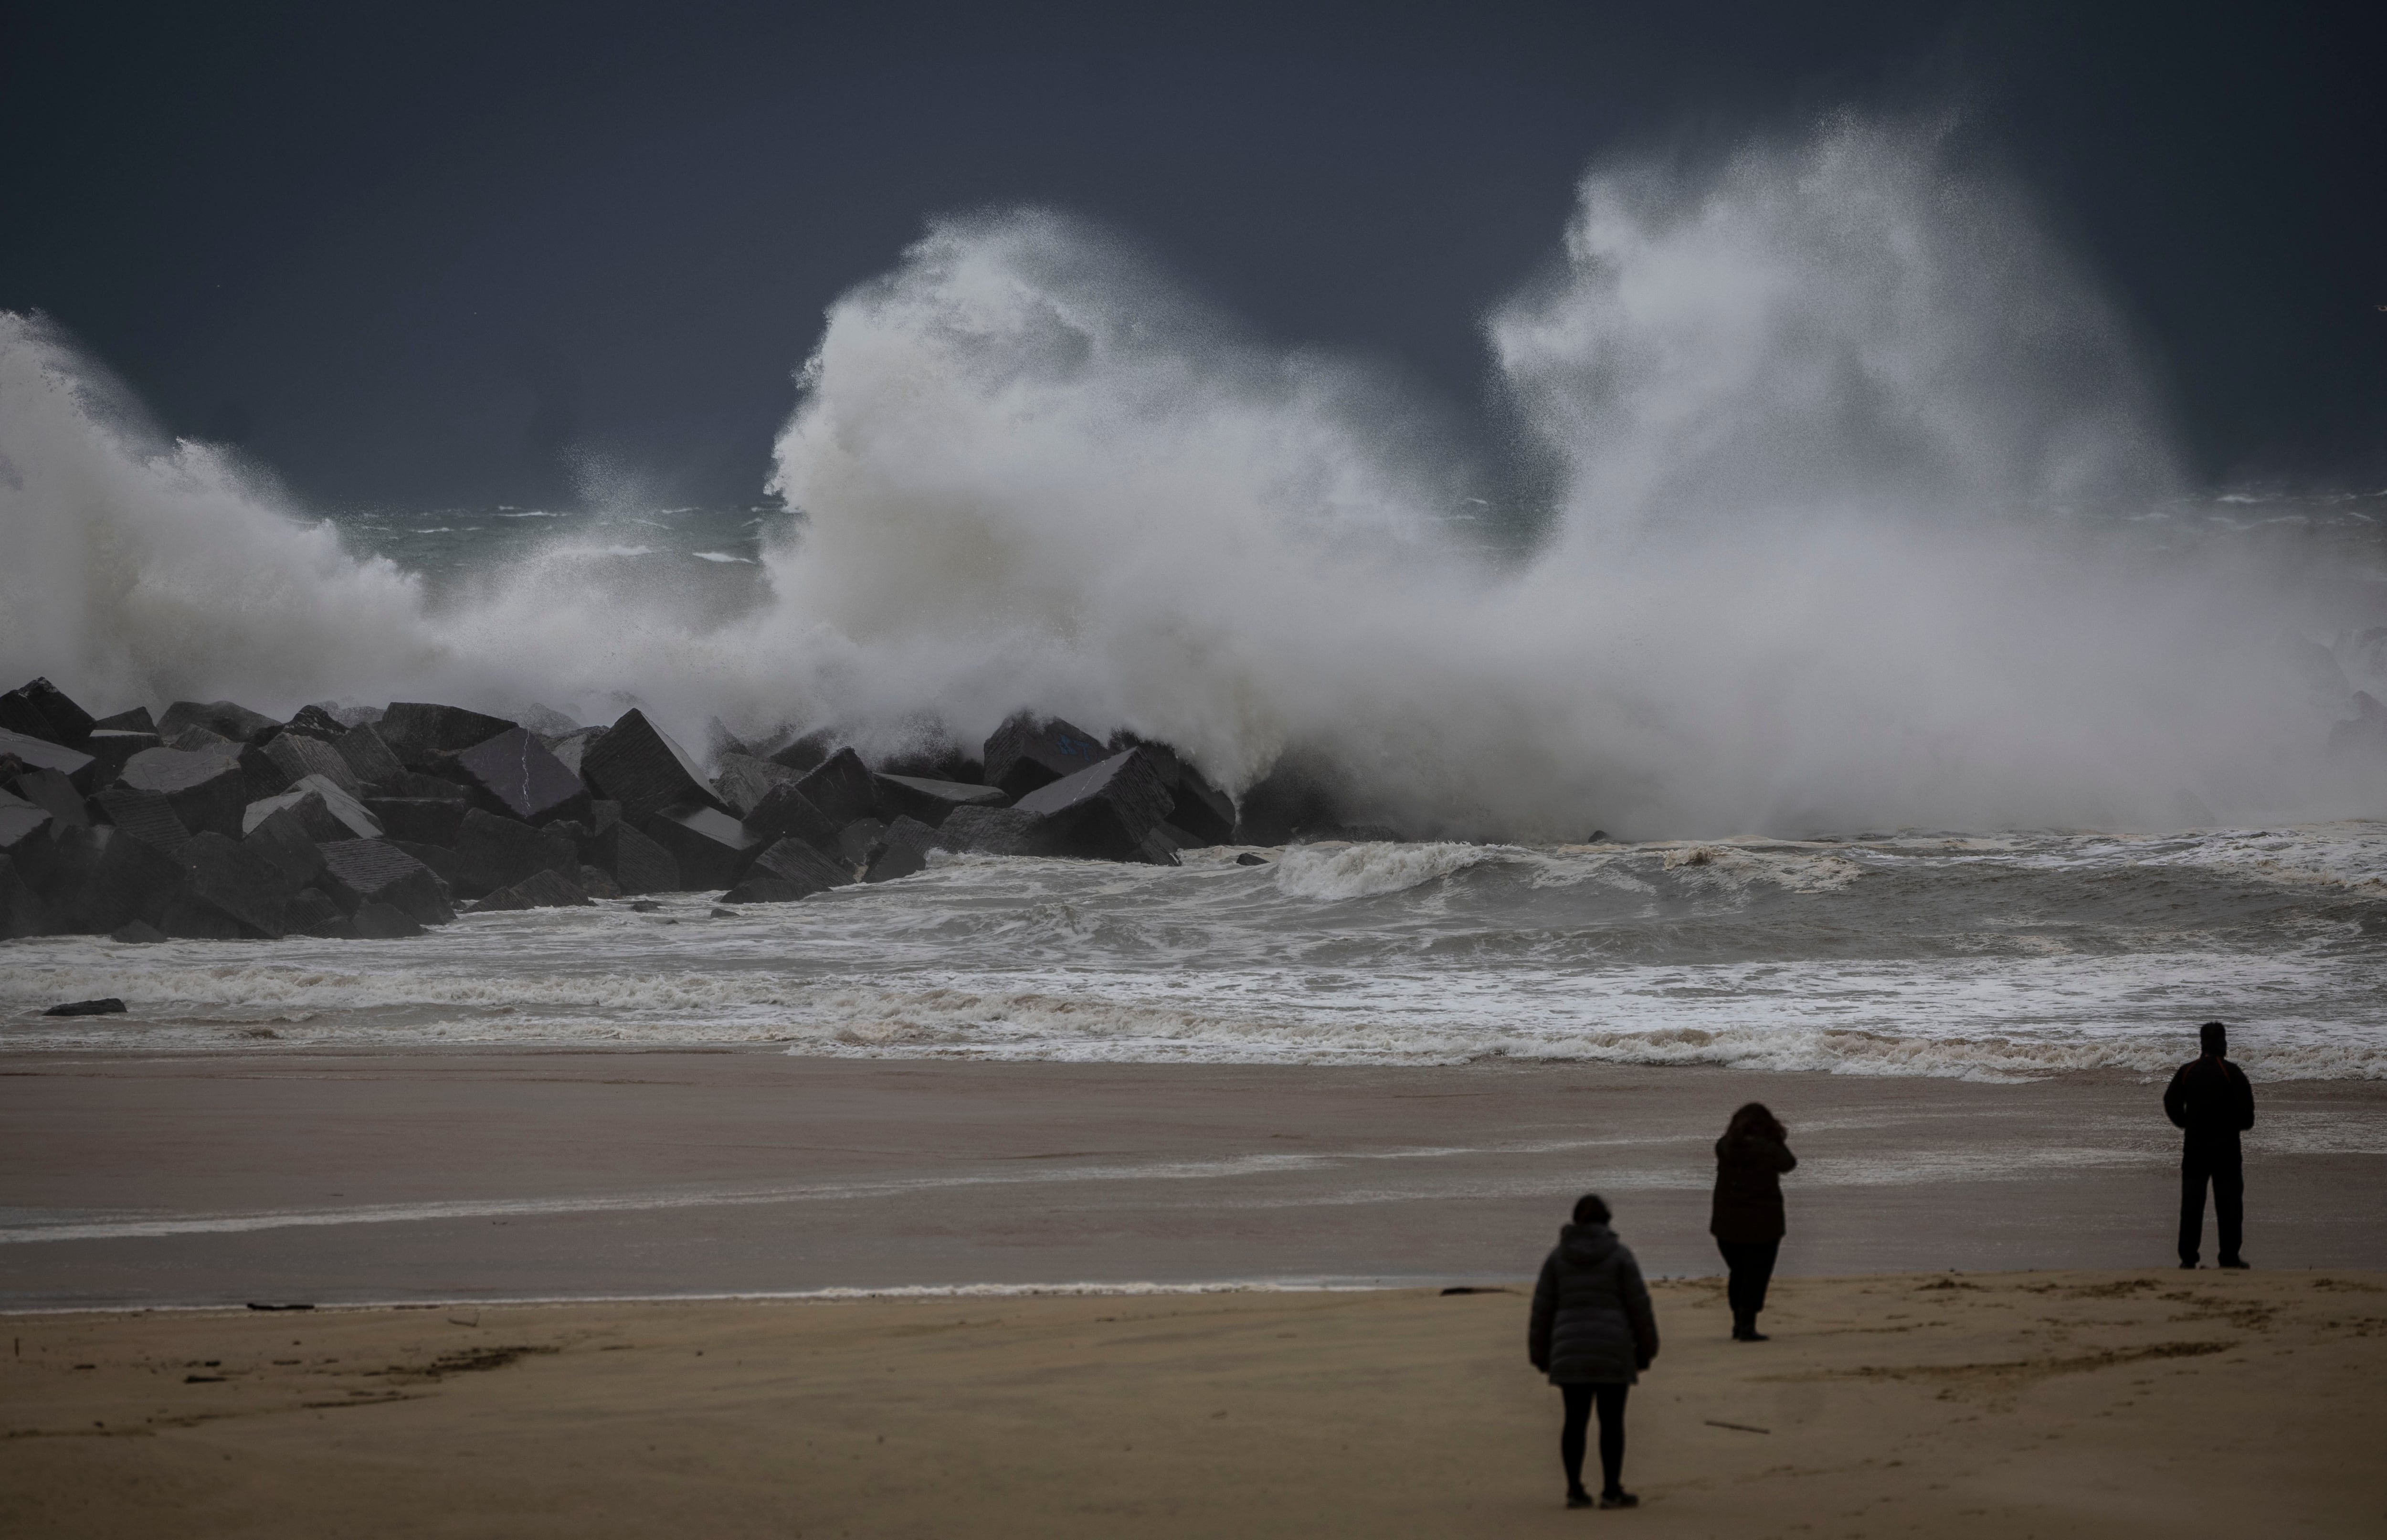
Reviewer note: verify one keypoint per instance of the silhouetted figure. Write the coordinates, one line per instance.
(2211, 1099)
(1745, 1218)
(1593, 1333)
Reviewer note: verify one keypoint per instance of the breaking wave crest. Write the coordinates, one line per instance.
(1836, 444)
(2006, 957)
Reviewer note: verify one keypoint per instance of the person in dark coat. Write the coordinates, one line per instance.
(1593, 1333)
(1745, 1218)
(2211, 1099)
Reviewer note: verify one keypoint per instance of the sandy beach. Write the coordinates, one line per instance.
(1978, 1330)
(2125, 1403)
(388, 1176)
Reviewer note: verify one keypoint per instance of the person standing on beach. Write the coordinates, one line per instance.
(2211, 1099)
(1593, 1332)
(1745, 1218)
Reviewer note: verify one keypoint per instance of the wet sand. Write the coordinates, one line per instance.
(2137, 1402)
(280, 1176)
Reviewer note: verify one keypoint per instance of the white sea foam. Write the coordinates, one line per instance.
(1822, 418)
(1908, 956)
(1340, 871)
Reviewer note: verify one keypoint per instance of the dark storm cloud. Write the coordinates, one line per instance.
(425, 254)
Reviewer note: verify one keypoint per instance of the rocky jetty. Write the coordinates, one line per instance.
(213, 821)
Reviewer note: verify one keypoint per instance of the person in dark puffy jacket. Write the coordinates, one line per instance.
(2211, 1100)
(1745, 1218)
(1593, 1333)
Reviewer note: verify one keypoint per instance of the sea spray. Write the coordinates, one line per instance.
(1855, 522)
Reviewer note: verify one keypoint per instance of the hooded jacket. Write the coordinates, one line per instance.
(1592, 1324)
(1748, 1206)
(2210, 1098)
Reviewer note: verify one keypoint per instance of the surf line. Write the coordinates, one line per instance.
(129, 1228)
(829, 1294)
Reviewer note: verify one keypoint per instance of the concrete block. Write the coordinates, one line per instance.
(1103, 813)
(785, 813)
(112, 749)
(1206, 814)
(789, 870)
(316, 722)
(415, 783)
(147, 817)
(205, 790)
(312, 912)
(382, 922)
(23, 911)
(54, 794)
(352, 813)
(137, 720)
(369, 758)
(445, 864)
(805, 753)
(857, 843)
(298, 755)
(538, 891)
(1028, 752)
(199, 740)
(598, 883)
(571, 748)
(933, 757)
(711, 848)
(188, 919)
(30, 838)
(228, 875)
(326, 811)
(1202, 813)
(842, 787)
(306, 809)
(357, 872)
(1160, 847)
(421, 733)
(991, 831)
(137, 933)
(421, 820)
(108, 879)
(742, 779)
(904, 850)
(39, 709)
(39, 753)
(636, 764)
(517, 775)
(636, 864)
(225, 718)
(261, 775)
(284, 840)
(931, 800)
(497, 852)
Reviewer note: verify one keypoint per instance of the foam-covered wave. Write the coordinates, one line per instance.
(1917, 956)
(1831, 431)
(1340, 871)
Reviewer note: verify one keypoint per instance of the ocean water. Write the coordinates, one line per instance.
(1989, 957)
(1817, 493)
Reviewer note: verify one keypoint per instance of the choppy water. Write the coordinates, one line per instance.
(1907, 954)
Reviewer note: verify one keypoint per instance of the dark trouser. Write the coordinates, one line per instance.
(1579, 1399)
(2222, 1168)
(1752, 1267)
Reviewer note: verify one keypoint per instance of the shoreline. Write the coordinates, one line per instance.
(577, 1174)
